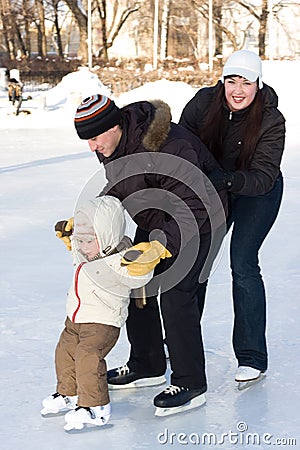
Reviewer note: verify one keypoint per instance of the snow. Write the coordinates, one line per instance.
(44, 168)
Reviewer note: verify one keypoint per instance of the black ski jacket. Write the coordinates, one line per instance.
(157, 172)
(264, 168)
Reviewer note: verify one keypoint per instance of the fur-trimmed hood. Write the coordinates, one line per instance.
(160, 126)
(146, 124)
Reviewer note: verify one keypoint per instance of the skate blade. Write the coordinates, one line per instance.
(242, 385)
(194, 403)
(49, 414)
(73, 426)
(144, 382)
(86, 426)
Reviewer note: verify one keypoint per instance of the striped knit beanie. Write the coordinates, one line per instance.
(95, 115)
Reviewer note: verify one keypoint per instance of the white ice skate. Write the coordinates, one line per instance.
(94, 415)
(57, 403)
(175, 399)
(247, 376)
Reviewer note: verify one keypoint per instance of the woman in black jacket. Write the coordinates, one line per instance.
(239, 121)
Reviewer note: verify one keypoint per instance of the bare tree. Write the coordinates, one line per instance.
(101, 7)
(55, 14)
(13, 16)
(27, 12)
(112, 30)
(40, 25)
(10, 30)
(81, 20)
(6, 27)
(262, 17)
(183, 25)
(202, 7)
(217, 19)
(164, 29)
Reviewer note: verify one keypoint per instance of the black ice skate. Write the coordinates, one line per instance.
(124, 378)
(175, 399)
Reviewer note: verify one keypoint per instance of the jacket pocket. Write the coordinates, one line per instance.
(112, 309)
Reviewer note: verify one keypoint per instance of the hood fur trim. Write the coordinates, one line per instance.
(159, 128)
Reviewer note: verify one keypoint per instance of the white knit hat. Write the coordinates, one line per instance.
(246, 64)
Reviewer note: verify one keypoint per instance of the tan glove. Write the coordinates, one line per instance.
(150, 254)
(64, 230)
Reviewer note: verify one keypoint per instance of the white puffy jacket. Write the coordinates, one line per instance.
(100, 289)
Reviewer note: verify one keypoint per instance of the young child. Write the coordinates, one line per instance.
(97, 306)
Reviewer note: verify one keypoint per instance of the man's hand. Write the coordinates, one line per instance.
(64, 229)
(143, 257)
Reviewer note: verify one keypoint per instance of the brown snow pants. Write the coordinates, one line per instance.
(80, 364)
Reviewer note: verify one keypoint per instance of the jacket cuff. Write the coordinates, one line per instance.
(235, 181)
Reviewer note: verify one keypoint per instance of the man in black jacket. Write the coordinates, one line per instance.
(157, 169)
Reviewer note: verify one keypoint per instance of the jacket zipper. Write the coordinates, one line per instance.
(230, 115)
(76, 290)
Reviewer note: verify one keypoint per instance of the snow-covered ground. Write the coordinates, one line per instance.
(44, 167)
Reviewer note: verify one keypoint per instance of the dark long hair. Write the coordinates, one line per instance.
(211, 130)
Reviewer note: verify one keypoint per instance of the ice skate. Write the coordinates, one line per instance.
(175, 399)
(247, 376)
(124, 378)
(57, 403)
(81, 416)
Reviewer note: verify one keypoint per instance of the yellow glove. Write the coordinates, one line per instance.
(150, 254)
(64, 229)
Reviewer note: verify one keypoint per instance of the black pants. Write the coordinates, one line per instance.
(181, 309)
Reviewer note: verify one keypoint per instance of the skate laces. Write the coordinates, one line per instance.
(68, 400)
(57, 394)
(124, 370)
(88, 409)
(174, 389)
(92, 413)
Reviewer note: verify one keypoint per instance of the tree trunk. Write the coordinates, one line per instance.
(103, 17)
(217, 13)
(58, 34)
(42, 41)
(9, 28)
(27, 22)
(263, 29)
(5, 25)
(164, 29)
(81, 19)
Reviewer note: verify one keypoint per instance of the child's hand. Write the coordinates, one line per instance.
(64, 230)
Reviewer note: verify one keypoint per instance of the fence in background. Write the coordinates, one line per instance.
(40, 81)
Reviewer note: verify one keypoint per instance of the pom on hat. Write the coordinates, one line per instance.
(95, 115)
(246, 64)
